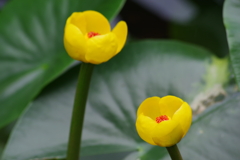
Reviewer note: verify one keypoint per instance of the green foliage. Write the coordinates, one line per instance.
(232, 24)
(38, 81)
(31, 48)
(142, 69)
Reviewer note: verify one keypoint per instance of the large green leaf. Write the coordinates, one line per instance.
(141, 70)
(232, 25)
(31, 47)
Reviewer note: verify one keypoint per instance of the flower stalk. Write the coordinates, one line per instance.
(174, 152)
(74, 143)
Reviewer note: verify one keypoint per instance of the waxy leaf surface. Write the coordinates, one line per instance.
(31, 47)
(231, 14)
(143, 69)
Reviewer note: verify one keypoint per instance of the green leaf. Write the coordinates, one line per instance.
(232, 25)
(216, 132)
(4, 135)
(31, 47)
(142, 69)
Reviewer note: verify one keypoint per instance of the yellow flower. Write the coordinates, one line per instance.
(163, 121)
(88, 37)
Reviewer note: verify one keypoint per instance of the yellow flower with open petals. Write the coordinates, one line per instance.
(163, 121)
(88, 37)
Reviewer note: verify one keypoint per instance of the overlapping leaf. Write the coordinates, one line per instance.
(232, 25)
(31, 47)
(141, 70)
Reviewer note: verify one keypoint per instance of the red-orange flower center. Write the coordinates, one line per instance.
(161, 118)
(92, 34)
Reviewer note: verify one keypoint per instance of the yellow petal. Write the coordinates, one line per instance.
(145, 126)
(75, 42)
(78, 19)
(96, 22)
(150, 107)
(169, 105)
(167, 133)
(184, 116)
(101, 48)
(120, 30)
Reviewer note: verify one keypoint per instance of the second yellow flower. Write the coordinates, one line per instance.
(163, 121)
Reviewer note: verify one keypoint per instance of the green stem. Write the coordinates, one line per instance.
(174, 152)
(74, 143)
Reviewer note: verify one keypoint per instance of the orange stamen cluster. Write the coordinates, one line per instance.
(161, 118)
(92, 34)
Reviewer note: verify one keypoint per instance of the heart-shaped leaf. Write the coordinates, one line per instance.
(141, 70)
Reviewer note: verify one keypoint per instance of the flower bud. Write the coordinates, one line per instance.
(163, 121)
